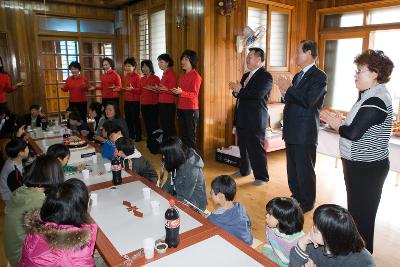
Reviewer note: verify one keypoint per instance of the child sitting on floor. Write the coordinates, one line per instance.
(285, 220)
(229, 215)
(133, 159)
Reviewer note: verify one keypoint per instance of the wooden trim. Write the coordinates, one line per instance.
(272, 3)
(353, 7)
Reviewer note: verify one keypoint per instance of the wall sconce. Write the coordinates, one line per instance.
(180, 21)
(226, 7)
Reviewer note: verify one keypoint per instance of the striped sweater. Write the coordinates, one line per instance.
(365, 134)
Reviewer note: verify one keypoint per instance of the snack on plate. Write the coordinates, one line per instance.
(75, 142)
(396, 128)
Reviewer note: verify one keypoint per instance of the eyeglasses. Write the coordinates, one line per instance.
(357, 72)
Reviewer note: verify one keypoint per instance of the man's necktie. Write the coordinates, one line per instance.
(298, 79)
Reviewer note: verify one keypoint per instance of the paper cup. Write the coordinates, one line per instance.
(146, 193)
(155, 207)
(94, 159)
(85, 174)
(107, 166)
(93, 199)
(148, 247)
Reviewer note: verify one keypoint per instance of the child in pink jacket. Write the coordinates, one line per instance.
(59, 235)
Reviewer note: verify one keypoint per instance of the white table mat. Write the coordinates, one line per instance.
(214, 251)
(126, 231)
(54, 131)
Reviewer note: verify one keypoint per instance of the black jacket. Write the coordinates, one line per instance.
(251, 109)
(302, 107)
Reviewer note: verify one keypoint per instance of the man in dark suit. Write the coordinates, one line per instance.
(34, 117)
(251, 116)
(303, 99)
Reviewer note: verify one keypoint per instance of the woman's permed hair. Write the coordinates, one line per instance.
(377, 62)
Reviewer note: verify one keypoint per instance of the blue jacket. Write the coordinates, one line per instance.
(234, 220)
(108, 149)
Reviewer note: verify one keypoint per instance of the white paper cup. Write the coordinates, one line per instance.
(93, 198)
(146, 193)
(85, 174)
(107, 166)
(155, 207)
(148, 247)
(94, 159)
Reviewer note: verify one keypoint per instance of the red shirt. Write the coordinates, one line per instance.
(168, 80)
(5, 87)
(148, 97)
(132, 79)
(77, 87)
(190, 84)
(109, 79)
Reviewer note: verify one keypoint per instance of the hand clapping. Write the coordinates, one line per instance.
(177, 90)
(283, 83)
(334, 119)
(235, 86)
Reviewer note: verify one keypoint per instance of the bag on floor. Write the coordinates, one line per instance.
(154, 141)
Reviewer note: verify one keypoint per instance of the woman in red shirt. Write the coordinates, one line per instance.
(77, 86)
(5, 85)
(149, 97)
(166, 98)
(110, 83)
(188, 105)
(132, 99)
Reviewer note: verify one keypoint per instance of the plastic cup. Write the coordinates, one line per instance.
(148, 247)
(85, 174)
(94, 159)
(93, 198)
(107, 166)
(146, 193)
(155, 207)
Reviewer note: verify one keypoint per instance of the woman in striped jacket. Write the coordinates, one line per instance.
(364, 140)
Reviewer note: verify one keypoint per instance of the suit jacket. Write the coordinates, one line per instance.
(28, 120)
(251, 109)
(302, 107)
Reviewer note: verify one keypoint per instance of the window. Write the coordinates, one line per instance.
(258, 17)
(383, 15)
(279, 39)
(57, 24)
(343, 20)
(157, 36)
(144, 51)
(97, 26)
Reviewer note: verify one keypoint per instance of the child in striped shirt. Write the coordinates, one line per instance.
(284, 219)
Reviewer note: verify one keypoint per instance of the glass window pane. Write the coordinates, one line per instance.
(57, 24)
(258, 17)
(339, 66)
(351, 19)
(158, 39)
(98, 26)
(384, 15)
(383, 40)
(279, 39)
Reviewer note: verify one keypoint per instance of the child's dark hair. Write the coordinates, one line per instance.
(288, 213)
(60, 151)
(72, 109)
(225, 185)
(15, 146)
(74, 64)
(46, 171)
(35, 106)
(67, 204)
(116, 110)
(338, 229)
(19, 122)
(174, 153)
(131, 61)
(98, 107)
(114, 128)
(125, 145)
(75, 116)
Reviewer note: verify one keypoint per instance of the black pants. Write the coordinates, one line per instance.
(188, 121)
(364, 182)
(252, 153)
(114, 101)
(4, 106)
(300, 162)
(82, 107)
(132, 113)
(150, 118)
(167, 118)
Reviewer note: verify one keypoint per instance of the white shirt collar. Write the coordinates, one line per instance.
(305, 69)
(135, 155)
(254, 71)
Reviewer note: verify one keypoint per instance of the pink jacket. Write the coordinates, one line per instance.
(49, 244)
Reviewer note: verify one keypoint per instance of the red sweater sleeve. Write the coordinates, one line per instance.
(194, 89)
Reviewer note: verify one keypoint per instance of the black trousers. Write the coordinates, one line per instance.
(252, 153)
(132, 117)
(364, 182)
(167, 119)
(82, 107)
(150, 118)
(300, 162)
(188, 121)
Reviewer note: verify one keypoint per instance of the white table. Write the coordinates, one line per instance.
(54, 131)
(214, 251)
(126, 231)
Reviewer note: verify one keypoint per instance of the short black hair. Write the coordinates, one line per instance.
(35, 106)
(19, 122)
(310, 45)
(148, 63)
(114, 128)
(131, 61)
(74, 64)
(72, 109)
(15, 146)
(191, 55)
(110, 61)
(116, 109)
(67, 204)
(288, 213)
(46, 171)
(98, 107)
(338, 229)
(75, 116)
(125, 145)
(259, 52)
(60, 151)
(108, 125)
(167, 59)
(225, 185)
(174, 153)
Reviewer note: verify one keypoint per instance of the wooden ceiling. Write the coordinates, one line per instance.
(115, 4)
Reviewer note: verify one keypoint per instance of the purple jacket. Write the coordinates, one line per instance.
(49, 244)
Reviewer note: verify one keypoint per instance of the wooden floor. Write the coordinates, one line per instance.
(330, 189)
